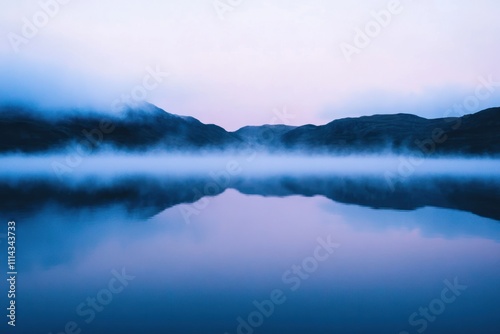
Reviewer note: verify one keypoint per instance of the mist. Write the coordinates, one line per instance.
(247, 58)
(253, 163)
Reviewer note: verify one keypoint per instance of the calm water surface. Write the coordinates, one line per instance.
(276, 254)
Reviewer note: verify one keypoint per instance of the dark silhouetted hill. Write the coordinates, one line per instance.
(147, 127)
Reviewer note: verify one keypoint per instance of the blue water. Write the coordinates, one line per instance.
(278, 254)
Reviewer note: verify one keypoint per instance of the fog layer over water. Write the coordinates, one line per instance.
(253, 163)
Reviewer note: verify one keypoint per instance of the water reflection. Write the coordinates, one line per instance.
(200, 277)
(147, 195)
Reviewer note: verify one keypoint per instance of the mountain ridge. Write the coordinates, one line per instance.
(146, 127)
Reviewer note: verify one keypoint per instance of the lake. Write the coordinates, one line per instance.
(233, 245)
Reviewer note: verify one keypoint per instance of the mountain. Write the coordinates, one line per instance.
(471, 134)
(136, 129)
(265, 136)
(146, 127)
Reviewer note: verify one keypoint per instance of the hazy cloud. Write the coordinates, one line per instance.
(263, 55)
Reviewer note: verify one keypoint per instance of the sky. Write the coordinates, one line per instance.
(241, 62)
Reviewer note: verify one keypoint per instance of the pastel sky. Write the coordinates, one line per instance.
(265, 55)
